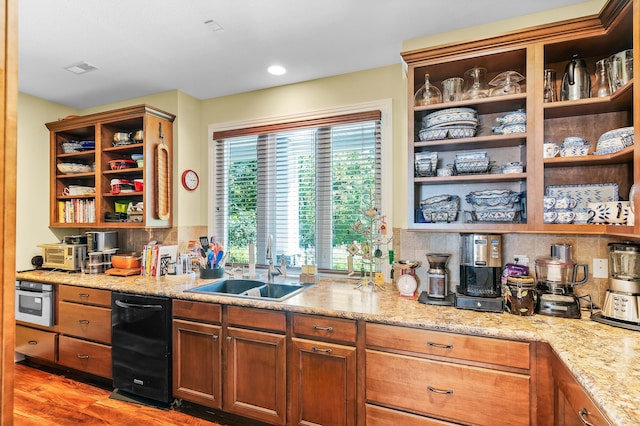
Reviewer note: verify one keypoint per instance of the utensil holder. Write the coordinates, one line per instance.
(211, 273)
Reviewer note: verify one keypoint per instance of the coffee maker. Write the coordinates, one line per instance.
(437, 281)
(480, 286)
(622, 300)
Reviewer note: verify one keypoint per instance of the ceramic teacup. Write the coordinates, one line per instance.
(444, 172)
(550, 217)
(565, 217)
(551, 149)
(583, 216)
(564, 203)
(549, 203)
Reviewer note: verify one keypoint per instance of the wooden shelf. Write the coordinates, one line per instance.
(623, 156)
(476, 142)
(488, 105)
(479, 178)
(620, 100)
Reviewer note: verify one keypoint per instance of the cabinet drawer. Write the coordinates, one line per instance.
(380, 416)
(451, 391)
(36, 343)
(324, 328)
(85, 356)
(470, 348)
(90, 296)
(257, 318)
(87, 322)
(199, 311)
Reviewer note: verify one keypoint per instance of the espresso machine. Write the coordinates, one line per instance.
(437, 281)
(556, 276)
(621, 304)
(480, 286)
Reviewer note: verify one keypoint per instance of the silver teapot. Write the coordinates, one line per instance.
(576, 82)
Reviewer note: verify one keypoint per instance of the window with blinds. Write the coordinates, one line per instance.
(306, 183)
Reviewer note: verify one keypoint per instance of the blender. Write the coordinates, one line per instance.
(556, 276)
(437, 281)
(623, 295)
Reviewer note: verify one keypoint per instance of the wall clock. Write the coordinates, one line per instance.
(190, 180)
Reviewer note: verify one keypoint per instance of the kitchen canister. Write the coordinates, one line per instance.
(520, 295)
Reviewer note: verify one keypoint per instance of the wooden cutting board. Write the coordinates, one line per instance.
(123, 272)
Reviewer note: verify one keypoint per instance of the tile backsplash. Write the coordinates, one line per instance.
(411, 245)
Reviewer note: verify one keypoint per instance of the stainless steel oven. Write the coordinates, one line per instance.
(34, 303)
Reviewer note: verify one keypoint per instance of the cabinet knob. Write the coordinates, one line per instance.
(317, 327)
(440, 391)
(439, 345)
(82, 356)
(83, 321)
(33, 342)
(317, 349)
(582, 413)
(215, 337)
(229, 338)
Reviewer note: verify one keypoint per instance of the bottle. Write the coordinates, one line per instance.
(550, 86)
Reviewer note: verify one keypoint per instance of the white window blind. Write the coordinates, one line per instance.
(304, 184)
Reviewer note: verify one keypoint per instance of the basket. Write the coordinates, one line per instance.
(493, 199)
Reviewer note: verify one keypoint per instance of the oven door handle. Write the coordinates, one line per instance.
(126, 305)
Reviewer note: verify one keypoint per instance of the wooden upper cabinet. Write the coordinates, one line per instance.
(95, 172)
(529, 52)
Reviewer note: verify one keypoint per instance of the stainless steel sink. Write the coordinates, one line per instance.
(249, 289)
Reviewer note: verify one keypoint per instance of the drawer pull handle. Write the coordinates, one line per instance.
(440, 391)
(317, 349)
(83, 321)
(229, 339)
(317, 327)
(582, 413)
(81, 356)
(83, 295)
(33, 342)
(440, 345)
(215, 337)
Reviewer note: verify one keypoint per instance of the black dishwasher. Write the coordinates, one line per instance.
(141, 345)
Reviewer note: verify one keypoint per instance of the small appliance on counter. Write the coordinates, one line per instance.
(480, 286)
(437, 281)
(66, 256)
(622, 300)
(556, 276)
(406, 281)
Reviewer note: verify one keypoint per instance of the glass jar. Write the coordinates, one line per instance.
(520, 295)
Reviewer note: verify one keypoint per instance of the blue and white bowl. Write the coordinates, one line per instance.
(514, 117)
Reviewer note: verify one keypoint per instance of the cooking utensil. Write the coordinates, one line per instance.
(125, 261)
(204, 242)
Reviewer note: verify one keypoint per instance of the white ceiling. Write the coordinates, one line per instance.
(141, 47)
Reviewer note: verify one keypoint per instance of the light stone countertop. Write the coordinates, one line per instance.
(604, 359)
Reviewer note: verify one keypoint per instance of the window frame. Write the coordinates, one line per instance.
(385, 108)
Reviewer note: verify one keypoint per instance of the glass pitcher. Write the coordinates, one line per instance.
(602, 84)
(475, 86)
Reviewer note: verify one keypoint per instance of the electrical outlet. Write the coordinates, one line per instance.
(600, 268)
(521, 259)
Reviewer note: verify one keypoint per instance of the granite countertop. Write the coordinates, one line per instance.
(604, 359)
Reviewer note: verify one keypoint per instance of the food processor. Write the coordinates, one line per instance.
(437, 281)
(621, 303)
(556, 276)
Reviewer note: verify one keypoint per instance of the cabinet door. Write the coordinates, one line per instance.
(327, 373)
(255, 384)
(196, 363)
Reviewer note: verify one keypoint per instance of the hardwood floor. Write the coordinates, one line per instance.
(45, 396)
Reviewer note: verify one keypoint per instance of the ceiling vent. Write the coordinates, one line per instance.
(80, 68)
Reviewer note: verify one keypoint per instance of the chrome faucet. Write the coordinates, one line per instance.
(272, 271)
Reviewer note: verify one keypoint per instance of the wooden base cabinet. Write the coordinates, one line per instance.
(573, 407)
(323, 373)
(447, 377)
(197, 352)
(256, 374)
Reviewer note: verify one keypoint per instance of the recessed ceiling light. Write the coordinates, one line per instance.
(80, 68)
(276, 70)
